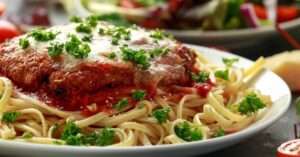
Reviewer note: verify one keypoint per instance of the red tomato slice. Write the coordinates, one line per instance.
(284, 13)
(289, 149)
(129, 4)
(287, 13)
(7, 30)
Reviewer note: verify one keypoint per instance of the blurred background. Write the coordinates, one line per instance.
(244, 27)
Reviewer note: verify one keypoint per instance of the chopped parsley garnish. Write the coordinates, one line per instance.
(87, 38)
(158, 51)
(161, 115)
(105, 138)
(75, 19)
(157, 34)
(10, 117)
(112, 55)
(42, 35)
(92, 21)
(115, 41)
(201, 77)
(101, 31)
(7, 41)
(137, 56)
(250, 104)
(57, 142)
(121, 104)
(229, 62)
(138, 94)
(72, 134)
(223, 74)
(75, 47)
(24, 43)
(55, 49)
(188, 132)
(219, 133)
(26, 135)
(83, 29)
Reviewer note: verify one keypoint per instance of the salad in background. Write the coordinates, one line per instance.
(189, 14)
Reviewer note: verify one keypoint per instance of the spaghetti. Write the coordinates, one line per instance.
(169, 118)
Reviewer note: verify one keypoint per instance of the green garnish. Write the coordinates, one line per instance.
(161, 115)
(72, 134)
(137, 56)
(122, 103)
(92, 21)
(223, 74)
(201, 77)
(83, 29)
(26, 135)
(219, 133)
(138, 94)
(7, 41)
(141, 106)
(101, 31)
(115, 41)
(24, 43)
(10, 117)
(75, 47)
(42, 35)
(157, 34)
(158, 51)
(188, 133)
(75, 19)
(55, 49)
(250, 104)
(112, 55)
(229, 62)
(105, 138)
(87, 38)
(57, 142)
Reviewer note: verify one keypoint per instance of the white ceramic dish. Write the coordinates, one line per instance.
(267, 82)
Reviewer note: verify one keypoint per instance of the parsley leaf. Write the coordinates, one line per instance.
(55, 49)
(42, 35)
(138, 94)
(112, 55)
(26, 135)
(87, 38)
(105, 138)
(137, 56)
(10, 117)
(223, 74)
(161, 115)
(83, 29)
(229, 62)
(72, 134)
(24, 43)
(75, 19)
(122, 103)
(75, 47)
(250, 104)
(158, 51)
(92, 21)
(201, 77)
(188, 133)
(219, 133)
(157, 34)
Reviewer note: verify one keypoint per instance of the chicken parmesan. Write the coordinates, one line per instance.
(90, 83)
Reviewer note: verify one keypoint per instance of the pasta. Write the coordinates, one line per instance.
(162, 120)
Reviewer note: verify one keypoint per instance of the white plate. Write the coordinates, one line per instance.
(267, 82)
